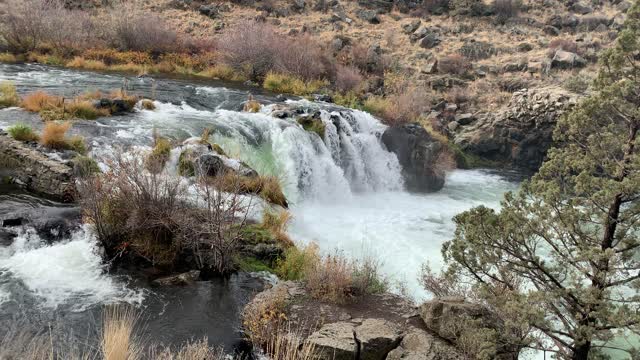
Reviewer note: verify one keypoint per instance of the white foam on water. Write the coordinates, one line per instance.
(70, 272)
(402, 230)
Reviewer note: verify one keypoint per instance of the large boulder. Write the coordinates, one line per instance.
(202, 158)
(418, 344)
(567, 60)
(418, 154)
(519, 134)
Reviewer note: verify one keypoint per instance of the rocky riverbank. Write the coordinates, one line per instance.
(376, 326)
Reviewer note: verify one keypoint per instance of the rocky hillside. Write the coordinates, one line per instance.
(460, 60)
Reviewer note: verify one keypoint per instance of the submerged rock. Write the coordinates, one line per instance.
(180, 279)
(418, 154)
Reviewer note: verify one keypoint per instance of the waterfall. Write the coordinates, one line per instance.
(349, 159)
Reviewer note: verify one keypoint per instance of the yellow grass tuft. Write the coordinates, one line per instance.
(82, 63)
(118, 339)
(277, 222)
(8, 94)
(291, 84)
(8, 58)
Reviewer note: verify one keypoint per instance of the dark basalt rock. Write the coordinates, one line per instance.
(417, 152)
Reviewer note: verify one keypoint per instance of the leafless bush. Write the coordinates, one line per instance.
(24, 24)
(151, 216)
(506, 9)
(142, 32)
(454, 64)
(31, 23)
(347, 78)
(256, 49)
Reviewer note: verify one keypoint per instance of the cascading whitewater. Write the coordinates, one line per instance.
(350, 158)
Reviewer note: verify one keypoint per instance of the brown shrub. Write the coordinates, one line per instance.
(257, 49)
(399, 108)
(23, 26)
(54, 135)
(40, 100)
(130, 31)
(506, 9)
(347, 78)
(454, 64)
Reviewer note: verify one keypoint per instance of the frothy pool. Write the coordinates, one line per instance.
(402, 230)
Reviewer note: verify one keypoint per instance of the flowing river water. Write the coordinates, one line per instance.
(346, 194)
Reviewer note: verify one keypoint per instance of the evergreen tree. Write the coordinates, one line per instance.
(563, 254)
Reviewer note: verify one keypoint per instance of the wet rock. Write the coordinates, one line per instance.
(520, 133)
(210, 165)
(417, 344)
(417, 152)
(180, 279)
(36, 171)
(116, 106)
(6, 237)
(567, 60)
(209, 160)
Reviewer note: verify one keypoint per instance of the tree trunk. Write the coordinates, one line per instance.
(582, 351)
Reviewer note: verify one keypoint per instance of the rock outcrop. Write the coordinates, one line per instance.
(520, 134)
(376, 327)
(418, 154)
(35, 171)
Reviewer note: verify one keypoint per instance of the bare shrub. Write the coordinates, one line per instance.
(142, 32)
(348, 78)
(257, 49)
(506, 9)
(150, 216)
(454, 64)
(23, 26)
(31, 23)
(405, 105)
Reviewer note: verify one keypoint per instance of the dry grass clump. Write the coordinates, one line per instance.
(8, 58)
(54, 135)
(331, 278)
(292, 84)
(277, 222)
(159, 154)
(252, 106)
(267, 187)
(22, 132)
(40, 100)
(148, 104)
(82, 63)
(118, 340)
(222, 72)
(192, 350)
(84, 109)
(8, 95)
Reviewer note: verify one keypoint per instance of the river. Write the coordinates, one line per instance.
(346, 194)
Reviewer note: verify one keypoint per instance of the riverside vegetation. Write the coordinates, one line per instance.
(556, 266)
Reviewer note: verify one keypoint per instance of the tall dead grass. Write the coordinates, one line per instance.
(54, 135)
(118, 341)
(39, 100)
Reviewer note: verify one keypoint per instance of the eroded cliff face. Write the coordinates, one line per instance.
(519, 134)
(33, 170)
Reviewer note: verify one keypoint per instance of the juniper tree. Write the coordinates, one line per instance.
(563, 254)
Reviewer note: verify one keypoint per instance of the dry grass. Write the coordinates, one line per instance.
(54, 135)
(8, 95)
(84, 109)
(222, 72)
(148, 104)
(266, 187)
(40, 100)
(252, 106)
(118, 339)
(277, 222)
(332, 278)
(82, 63)
(8, 58)
(292, 84)
(193, 350)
